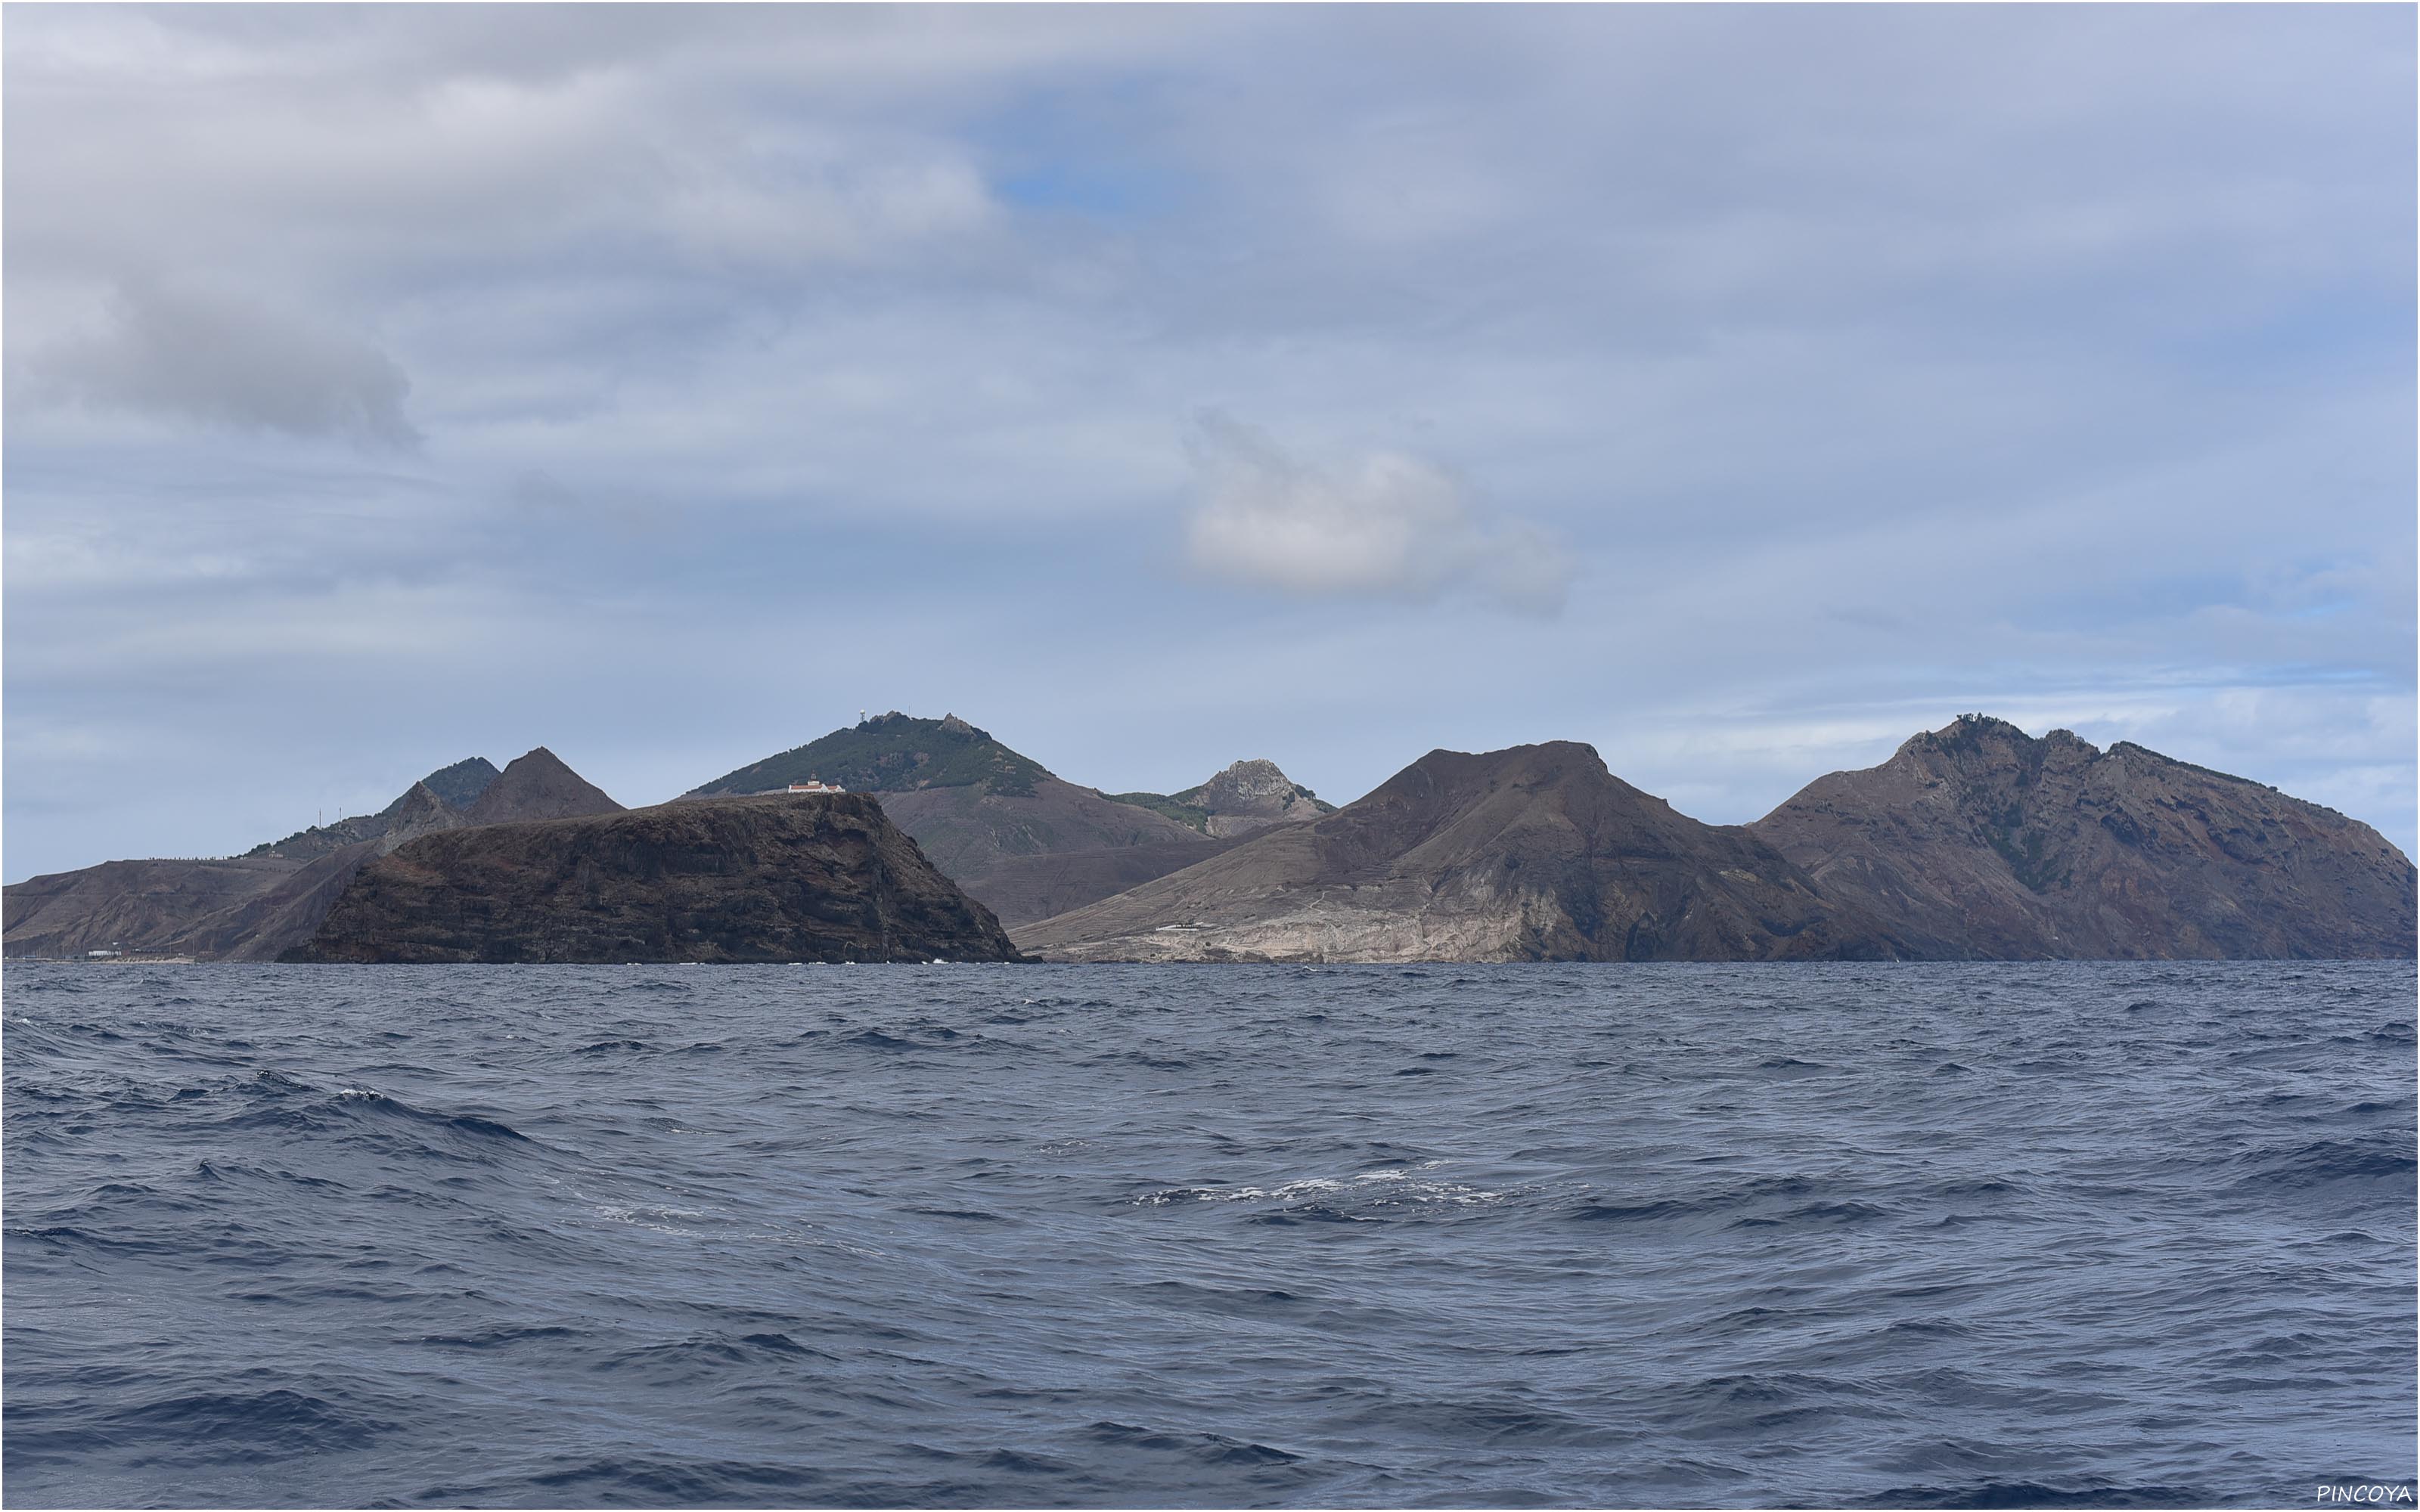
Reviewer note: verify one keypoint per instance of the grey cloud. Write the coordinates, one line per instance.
(801, 203)
(225, 360)
(334, 156)
(547, 511)
(1378, 524)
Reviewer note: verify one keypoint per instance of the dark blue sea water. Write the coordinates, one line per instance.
(1174, 1235)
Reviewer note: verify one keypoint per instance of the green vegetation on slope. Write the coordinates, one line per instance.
(894, 753)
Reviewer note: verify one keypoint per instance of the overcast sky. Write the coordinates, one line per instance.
(1737, 389)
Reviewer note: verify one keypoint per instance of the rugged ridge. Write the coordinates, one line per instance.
(1973, 841)
(996, 822)
(1982, 842)
(258, 905)
(731, 879)
(1252, 794)
(1532, 854)
(1249, 796)
(537, 785)
(461, 783)
(451, 787)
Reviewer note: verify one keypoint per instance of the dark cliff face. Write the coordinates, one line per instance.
(764, 879)
(1532, 854)
(1982, 842)
(259, 905)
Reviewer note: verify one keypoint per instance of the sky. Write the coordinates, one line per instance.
(1738, 390)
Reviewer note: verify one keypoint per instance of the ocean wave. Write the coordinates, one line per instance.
(1396, 1186)
(209, 1428)
(1703, 1235)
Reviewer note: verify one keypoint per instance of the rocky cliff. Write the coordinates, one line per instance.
(1254, 794)
(1979, 842)
(254, 906)
(1249, 796)
(763, 879)
(1532, 854)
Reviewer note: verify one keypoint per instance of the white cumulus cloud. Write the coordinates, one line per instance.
(1382, 524)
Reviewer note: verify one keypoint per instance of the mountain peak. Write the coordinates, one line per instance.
(1986, 842)
(1255, 788)
(892, 752)
(452, 788)
(1535, 853)
(1978, 751)
(1248, 768)
(1983, 733)
(461, 783)
(1548, 763)
(538, 785)
(1250, 795)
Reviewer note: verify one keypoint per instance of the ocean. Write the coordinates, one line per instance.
(2110, 1235)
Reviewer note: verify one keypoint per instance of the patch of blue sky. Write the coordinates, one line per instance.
(1100, 190)
(2322, 338)
(2155, 597)
(1100, 153)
